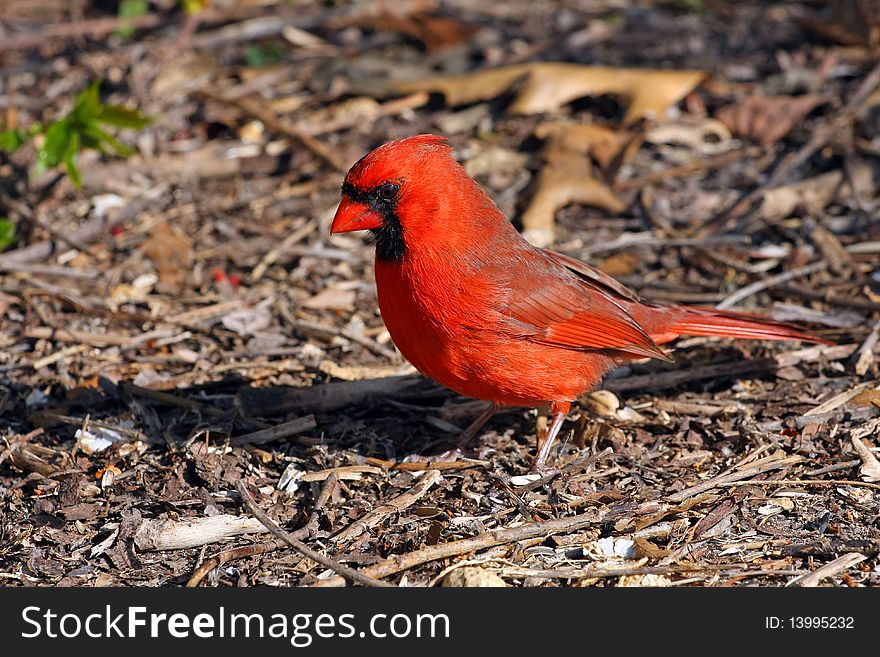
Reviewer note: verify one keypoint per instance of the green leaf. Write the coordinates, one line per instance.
(58, 136)
(70, 160)
(7, 233)
(258, 56)
(130, 9)
(122, 117)
(95, 137)
(11, 140)
(88, 103)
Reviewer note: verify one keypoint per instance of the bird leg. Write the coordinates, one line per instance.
(466, 437)
(474, 427)
(559, 410)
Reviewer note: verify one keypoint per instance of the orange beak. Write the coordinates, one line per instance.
(354, 215)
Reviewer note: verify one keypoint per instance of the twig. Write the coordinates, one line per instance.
(518, 502)
(801, 421)
(828, 570)
(332, 331)
(620, 571)
(169, 399)
(443, 466)
(758, 286)
(865, 355)
(266, 402)
(829, 298)
(282, 248)
(758, 467)
(273, 122)
(159, 535)
(394, 505)
(820, 137)
(343, 472)
(305, 531)
(839, 400)
(805, 482)
(580, 466)
(279, 432)
(49, 270)
(344, 571)
(494, 537)
(228, 555)
(97, 27)
(708, 164)
(89, 232)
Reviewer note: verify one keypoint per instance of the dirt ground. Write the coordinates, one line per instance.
(180, 337)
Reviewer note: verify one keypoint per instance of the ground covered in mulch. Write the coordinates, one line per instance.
(180, 337)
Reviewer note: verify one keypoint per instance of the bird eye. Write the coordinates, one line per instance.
(388, 191)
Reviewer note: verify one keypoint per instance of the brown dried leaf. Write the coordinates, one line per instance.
(609, 148)
(546, 86)
(867, 398)
(567, 177)
(767, 119)
(171, 252)
(814, 194)
(620, 264)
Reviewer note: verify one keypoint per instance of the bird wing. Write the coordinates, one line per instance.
(568, 304)
(592, 275)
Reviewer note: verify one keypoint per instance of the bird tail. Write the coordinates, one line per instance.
(665, 323)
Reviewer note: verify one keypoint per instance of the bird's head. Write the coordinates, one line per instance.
(398, 191)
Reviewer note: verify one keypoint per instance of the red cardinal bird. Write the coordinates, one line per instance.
(474, 306)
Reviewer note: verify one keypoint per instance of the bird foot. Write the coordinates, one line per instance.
(457, 454)
(542, 469)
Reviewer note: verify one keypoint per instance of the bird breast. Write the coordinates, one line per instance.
(452, 327)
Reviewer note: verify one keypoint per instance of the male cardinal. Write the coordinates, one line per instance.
(474, 306)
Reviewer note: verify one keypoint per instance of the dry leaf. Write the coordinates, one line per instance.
(495, 159)
(870, 469)
(767, 119)
(250, 321)
(702, 135)
(620, 264)
(547, 86)
(609, 148)
(472, 576)
(867, 398)
(567, 177)
(171, 252)
(434, 31)
(814, 194)
(331, 298)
